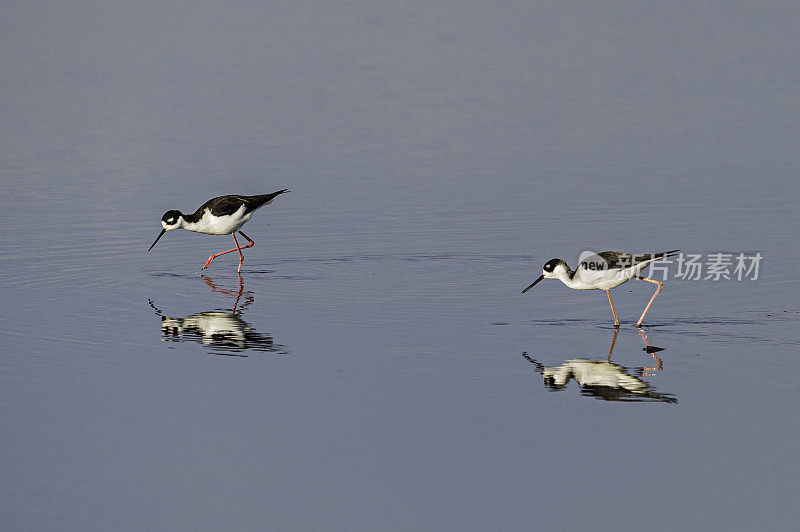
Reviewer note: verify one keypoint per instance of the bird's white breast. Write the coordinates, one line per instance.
(219, 225)
(603, 280)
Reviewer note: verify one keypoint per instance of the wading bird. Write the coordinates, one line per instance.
(604, 271)
(224, 215)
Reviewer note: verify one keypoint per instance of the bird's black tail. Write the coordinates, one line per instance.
(264, 199)
(667, 254)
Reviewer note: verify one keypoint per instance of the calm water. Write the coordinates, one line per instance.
(375, 366)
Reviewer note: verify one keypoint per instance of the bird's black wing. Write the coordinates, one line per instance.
(618, 259)
(226, 205)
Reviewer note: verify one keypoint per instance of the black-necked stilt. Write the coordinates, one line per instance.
(224, 215)
(604, 271)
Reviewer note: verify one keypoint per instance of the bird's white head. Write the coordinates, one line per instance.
(170, 221)
(553, 269)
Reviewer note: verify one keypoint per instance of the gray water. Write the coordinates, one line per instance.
(377, 367)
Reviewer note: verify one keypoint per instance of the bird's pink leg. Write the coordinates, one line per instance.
(215, 255)
(237, 248)
(660, 286)
(616, 319)
(250, 244)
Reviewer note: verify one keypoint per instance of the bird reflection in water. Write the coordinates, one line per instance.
(604, 379)
(223, 331)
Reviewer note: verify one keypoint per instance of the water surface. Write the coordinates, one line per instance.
(375, 366)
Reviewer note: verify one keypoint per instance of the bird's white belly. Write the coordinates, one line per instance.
(220, 225)
(603, 280)
(605, 283)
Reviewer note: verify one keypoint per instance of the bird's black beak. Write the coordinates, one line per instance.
(159, 236)
(533, 283)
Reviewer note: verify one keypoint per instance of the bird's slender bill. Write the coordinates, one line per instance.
(159, 236)
(533, 283)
